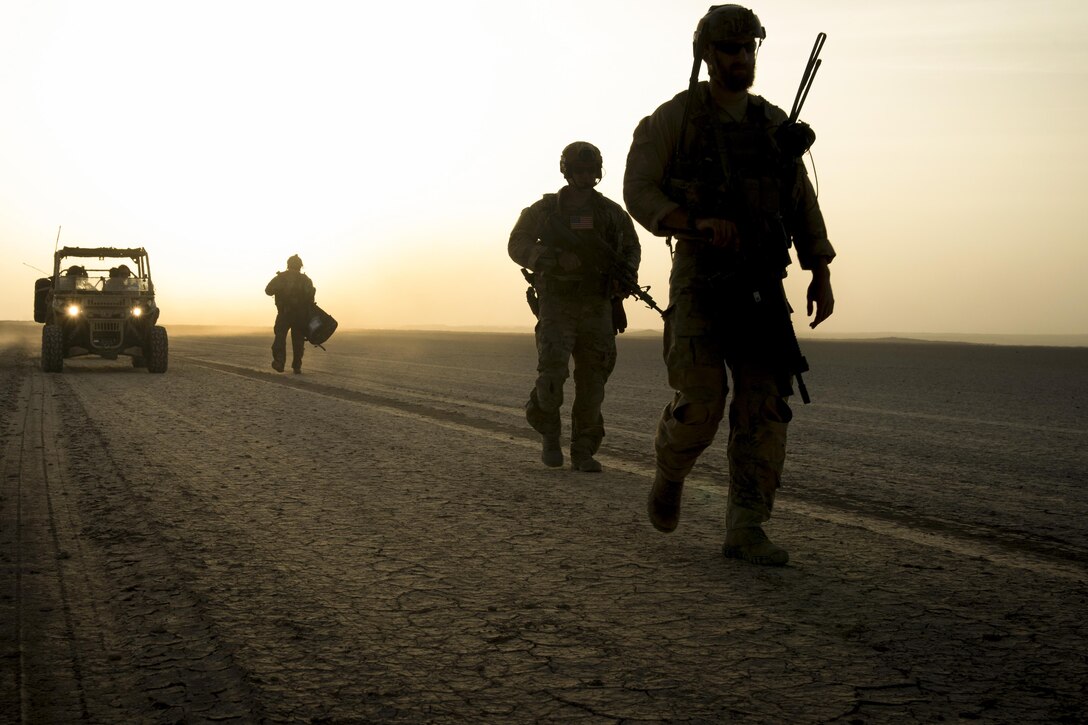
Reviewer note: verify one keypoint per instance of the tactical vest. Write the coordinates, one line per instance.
(735, 171)
(589, 279)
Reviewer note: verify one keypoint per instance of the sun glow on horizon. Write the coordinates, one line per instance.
(393, 148)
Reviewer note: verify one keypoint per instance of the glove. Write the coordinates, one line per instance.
(794, 139)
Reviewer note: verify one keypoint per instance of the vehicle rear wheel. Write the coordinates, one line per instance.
(157, 351)
(52, 349)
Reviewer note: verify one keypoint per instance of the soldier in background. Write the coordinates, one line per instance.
(294, 293)
(569, 240)
(730, 186)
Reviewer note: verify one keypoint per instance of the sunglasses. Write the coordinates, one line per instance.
(730, 48)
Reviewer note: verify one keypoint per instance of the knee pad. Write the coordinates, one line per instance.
(693, 413)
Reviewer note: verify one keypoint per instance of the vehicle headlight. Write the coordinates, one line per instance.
(137, 311)
(73, 310)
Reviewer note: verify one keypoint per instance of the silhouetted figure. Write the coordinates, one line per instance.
(118, 279)
(731, 187)
(294, 293)
(567, 239)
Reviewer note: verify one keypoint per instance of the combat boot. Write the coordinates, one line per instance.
(585, 464)
(277, 365)
(663, 505)
(551, 454)
(751, 544)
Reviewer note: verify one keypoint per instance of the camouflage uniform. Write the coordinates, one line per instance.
(575, 310)
(710, 324)
(294, 293)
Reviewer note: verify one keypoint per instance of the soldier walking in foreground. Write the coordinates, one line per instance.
(720, 169)
(294, 293)
(576, 242)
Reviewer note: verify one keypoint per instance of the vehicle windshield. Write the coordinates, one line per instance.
(101, 276)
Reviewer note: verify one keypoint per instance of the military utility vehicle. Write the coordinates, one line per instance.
(100, 301)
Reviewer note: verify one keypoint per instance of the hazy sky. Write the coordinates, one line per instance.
(394, 148)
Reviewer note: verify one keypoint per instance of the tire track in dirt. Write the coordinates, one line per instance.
(999, 545)
(966, 422)
(430, 408)
(253, 535)
(48, 665)
(105, 628)
(176, 659)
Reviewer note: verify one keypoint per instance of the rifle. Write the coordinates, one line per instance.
(617, 267)
(772, 305)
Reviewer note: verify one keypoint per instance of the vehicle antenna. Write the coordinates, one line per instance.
(35, 268)
(56, 243)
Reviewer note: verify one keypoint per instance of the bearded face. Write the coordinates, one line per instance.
(732, 65)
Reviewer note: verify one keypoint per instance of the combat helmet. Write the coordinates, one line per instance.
(294, 262)
(724, 23)
(581, 155)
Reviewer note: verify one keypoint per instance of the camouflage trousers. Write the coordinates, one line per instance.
(578, 327)
(295, 321)
(698, 356)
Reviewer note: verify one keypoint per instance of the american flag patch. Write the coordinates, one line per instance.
(582, 221)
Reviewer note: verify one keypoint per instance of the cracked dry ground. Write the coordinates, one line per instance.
(376, 541)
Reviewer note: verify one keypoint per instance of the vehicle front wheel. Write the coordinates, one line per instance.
(52, 349)
(157, 351)
(138, 361)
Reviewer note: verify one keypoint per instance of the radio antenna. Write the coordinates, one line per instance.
(809, 75)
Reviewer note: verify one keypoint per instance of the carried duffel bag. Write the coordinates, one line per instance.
(320, 326)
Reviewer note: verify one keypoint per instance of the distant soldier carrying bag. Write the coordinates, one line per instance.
(294, 294)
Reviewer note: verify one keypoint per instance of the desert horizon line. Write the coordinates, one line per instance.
(977, 338)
